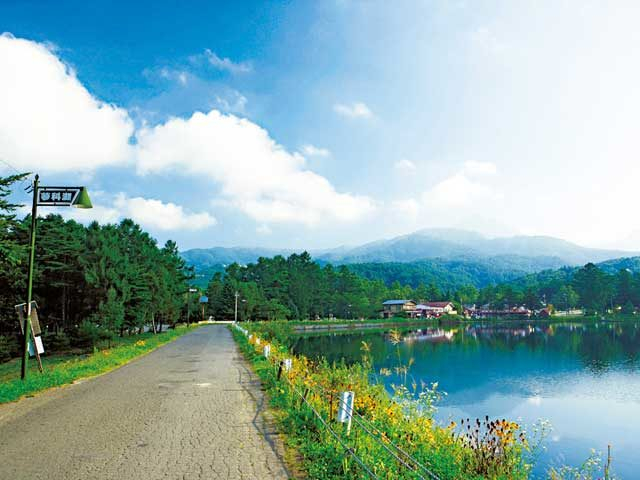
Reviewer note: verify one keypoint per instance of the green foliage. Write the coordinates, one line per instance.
(85, 336)
(8, 347)
(57, 342)
(298, 288)
(453, 273)
(112, 276)
(591, 469)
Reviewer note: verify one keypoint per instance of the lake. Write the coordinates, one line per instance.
(583, 378)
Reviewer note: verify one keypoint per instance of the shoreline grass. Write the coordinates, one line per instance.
(61, 370)
(444, 451)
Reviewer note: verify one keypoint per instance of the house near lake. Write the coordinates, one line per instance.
(396, 308)
(409, 308)
(435, 309)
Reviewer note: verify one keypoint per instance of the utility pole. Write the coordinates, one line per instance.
(235, 318)
(51, 197)
(32, 253)
(191, 290)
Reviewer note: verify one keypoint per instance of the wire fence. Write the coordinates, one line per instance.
(405, 460)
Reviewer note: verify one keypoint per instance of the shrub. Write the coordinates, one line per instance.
(8, 348)
(59, 342)
(85, 336)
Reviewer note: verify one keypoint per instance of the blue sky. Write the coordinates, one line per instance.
(315, 124)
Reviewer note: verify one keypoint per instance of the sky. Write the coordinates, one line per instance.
(331, 122)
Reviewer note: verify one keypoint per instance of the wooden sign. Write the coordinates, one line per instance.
(22, 313)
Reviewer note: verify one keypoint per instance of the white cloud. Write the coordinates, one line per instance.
(479, 168)
(405, 165)
(460, 201)
(354, 110)
(226, 64)
(409, 207)
(233, 102)
(150, 213)
(48, 120)
(485, 41)
(155, 214)
(263, 230)
(313, 151)
(254, 173)
(459, 191)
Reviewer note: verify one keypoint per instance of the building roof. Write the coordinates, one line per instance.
(396, 302)
(437, 304)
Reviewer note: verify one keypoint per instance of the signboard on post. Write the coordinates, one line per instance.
(39, 346)
(345, 412)
(58, 196)
(22, 314)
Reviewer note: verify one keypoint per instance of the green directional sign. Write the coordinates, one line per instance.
(63, 197)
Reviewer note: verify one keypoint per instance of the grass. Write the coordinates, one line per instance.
(400, 420)
(64, 369)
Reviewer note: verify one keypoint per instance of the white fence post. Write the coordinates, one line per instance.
(345, 412)
(287, 364)
(266, 351)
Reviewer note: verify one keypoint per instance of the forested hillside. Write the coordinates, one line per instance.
(299, 288)
(450, 274)
(527, 253)
(106, 277)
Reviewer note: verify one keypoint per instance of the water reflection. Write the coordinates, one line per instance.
(584, 378)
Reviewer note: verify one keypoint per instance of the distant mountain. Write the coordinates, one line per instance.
(217, 256)
(629, 263)
(449, 274)
(451, 243)
(448, 256)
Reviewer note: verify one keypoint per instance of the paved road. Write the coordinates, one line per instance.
(189, 410)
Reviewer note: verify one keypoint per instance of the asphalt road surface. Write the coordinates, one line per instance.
(189, 410)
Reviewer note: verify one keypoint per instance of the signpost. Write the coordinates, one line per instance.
(203, 301)
(35, 329)
(50, 197)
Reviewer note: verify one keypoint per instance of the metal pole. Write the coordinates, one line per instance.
(27, 321)
(235, 317)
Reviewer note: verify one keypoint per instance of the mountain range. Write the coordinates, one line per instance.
(420, 245)
(447, 256)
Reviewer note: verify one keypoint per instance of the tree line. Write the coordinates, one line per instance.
(296, 287)
(114, 279)
(589, 288)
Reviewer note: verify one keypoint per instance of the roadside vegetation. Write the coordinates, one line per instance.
(401, 422)
(79, 363)
(94, 285)
(393, 432)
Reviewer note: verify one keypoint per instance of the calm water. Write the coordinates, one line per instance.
(584, 379)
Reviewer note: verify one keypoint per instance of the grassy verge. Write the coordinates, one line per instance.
(64, 369)
(496, 451)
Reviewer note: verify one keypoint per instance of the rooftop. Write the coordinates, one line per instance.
(396, 302)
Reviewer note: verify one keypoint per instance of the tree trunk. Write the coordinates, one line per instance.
(64, 305)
